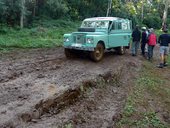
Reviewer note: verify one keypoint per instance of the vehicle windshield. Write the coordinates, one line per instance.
(95, 24)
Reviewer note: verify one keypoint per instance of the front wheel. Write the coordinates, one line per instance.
(69, 53)
(98, 53)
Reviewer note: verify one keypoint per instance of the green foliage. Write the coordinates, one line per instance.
(68, 125)
(84, 8)
(149, 82)
(10, 10)
(152, 21)
(3, 29)
(168, 59)
(139, 110)
(56, 8)
(150, 119)
(46, 35)
(128, 110)
(132, 10)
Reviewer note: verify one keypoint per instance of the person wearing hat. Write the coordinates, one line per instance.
(136, 36)
(164, 40)
(152, 39)
(144, 40)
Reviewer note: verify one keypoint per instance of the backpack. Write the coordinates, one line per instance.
(152, 39)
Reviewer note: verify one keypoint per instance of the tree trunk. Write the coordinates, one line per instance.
(34, 8)
(22, 14)
(109, 7)
(165, 13)
(142, 10)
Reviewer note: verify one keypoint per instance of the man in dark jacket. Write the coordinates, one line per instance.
(164, 41)
(136, 36)
(144, 40)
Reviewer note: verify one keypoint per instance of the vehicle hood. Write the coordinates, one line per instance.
(89, 33)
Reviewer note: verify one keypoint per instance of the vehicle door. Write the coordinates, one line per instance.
(118, 35)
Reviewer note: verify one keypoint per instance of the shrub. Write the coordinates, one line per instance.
(152, 21)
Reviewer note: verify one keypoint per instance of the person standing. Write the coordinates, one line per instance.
(164, 40)
(144, 40)
(151, 43)
(136, 36)
(164, 27)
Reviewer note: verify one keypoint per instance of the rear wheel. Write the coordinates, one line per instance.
(121, 50)
(98, 53)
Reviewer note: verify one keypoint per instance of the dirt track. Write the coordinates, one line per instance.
(35, 84)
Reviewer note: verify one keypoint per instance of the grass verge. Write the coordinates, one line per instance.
(44, 34)
(147, 105)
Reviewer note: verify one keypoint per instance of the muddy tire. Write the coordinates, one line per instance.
(69, 53)
(121, 50)
(98, 53)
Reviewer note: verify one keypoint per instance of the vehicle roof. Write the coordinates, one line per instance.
(104, 18)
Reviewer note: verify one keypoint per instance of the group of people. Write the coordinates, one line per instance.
(147, 39)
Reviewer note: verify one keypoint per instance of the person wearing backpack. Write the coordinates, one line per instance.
(152, 39)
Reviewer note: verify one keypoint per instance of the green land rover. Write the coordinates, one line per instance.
(98, 34)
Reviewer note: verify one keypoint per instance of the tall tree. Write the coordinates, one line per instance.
(22, 13)
(109, 7)
(165, 13)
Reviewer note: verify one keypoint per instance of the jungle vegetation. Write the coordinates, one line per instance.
(42, 23)
(152, 13)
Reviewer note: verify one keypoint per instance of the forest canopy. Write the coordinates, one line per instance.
(151, 13)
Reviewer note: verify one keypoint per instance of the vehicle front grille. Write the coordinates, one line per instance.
(79, 39)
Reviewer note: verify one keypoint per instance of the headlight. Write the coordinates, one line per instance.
(89, 40)
(66, 39)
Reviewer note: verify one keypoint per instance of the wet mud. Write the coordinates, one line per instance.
(42, 88)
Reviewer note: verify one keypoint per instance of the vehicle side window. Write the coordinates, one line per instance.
(113, 26)
(119, 25)
(125, 26)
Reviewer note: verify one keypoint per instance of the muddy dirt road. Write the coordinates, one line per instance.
(42, 89)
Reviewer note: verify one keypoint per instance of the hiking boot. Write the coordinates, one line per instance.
(160, 66)
(165, 64)
(149, 59)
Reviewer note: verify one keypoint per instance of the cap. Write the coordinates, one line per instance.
(143, 28)
(151, 29)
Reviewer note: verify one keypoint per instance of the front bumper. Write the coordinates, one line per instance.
(80, 48)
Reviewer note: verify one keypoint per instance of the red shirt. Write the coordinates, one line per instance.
(152, 39)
